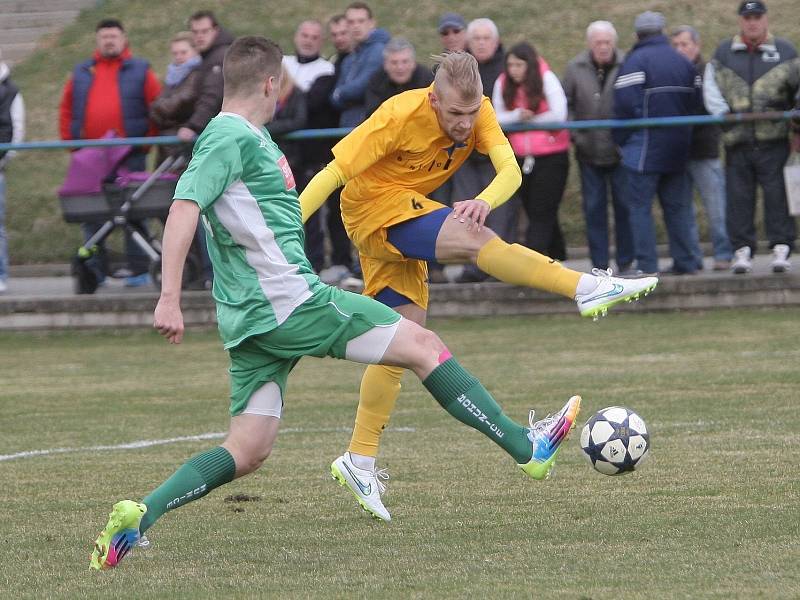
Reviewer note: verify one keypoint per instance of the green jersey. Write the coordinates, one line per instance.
(248, 203)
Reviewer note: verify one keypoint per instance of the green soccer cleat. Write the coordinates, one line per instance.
(611, 291)
(547, 435)
(119, 536)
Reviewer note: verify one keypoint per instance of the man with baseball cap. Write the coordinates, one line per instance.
(453, 32)
(751, 73)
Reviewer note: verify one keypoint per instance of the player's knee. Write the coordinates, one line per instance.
(248, 456)
(430, 346)
(477, 240)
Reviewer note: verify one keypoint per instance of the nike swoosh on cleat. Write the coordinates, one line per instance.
(613, 292)
(366, 490)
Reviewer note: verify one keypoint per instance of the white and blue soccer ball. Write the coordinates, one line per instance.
(615, 440)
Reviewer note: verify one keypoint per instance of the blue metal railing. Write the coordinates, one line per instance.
(339, 132)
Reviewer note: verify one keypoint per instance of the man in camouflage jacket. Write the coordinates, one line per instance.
(751, 73)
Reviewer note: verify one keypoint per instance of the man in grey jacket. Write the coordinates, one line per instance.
(589, 86)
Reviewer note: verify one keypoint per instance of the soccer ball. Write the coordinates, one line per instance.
(615, 440)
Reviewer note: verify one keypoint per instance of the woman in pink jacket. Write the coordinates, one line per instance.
(529, 92)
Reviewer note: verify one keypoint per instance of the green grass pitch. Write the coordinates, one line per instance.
(713, 514)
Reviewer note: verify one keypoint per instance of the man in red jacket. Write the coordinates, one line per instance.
(111, 91)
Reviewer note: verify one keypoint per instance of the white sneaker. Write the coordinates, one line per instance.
(612, 290)
(334, 274)
(352, 284)
(365, 485)
(780, 259)
(742, 262)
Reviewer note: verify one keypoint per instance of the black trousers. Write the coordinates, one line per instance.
(341, 249)
(541, 193)
(746, 166)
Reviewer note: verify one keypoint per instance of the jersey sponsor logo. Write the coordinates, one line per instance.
(288, 176)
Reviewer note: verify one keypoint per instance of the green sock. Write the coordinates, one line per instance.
(467, 400)
(198, 476)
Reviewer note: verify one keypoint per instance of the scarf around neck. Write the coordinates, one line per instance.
(177, 73)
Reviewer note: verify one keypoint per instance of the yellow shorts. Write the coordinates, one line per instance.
(382, 264)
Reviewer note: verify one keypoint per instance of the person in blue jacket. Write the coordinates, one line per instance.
(656, 81)
(366, 59)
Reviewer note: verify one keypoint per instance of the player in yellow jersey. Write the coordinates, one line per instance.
(388, 165)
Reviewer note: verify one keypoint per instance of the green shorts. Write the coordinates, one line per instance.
(321, 326)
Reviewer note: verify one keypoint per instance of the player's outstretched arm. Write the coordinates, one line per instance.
(178, 234)
(319, 188)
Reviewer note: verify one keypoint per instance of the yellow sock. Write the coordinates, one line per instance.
(519, 265)
(380, 387)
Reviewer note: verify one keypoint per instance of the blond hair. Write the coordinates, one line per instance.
(458, 71)
(287, 84)
(183, 36)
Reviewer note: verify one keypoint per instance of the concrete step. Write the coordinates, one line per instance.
(53, 18)
(32, 6)
(13, 53)
(23, 23)
(52, 305)
(22, 35)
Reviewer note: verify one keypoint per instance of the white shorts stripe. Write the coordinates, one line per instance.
(369, 347)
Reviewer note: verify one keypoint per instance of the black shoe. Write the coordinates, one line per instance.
(673, 271)
(472, 276)
(437, 276)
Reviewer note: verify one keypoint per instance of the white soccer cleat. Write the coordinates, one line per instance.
(780, 259)
(612, 290)
(365, 485)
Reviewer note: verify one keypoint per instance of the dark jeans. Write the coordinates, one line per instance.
(675, 194)
(762, 164)
(541, 193)
(595, 182)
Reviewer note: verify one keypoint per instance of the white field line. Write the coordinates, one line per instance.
(186, 438)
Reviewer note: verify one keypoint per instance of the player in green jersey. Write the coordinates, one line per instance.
(273, 310)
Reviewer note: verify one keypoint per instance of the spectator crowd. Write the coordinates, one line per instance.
(622, 171)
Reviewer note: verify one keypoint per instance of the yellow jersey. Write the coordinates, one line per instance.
(400, 153)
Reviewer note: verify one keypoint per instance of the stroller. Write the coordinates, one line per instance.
(98, 189)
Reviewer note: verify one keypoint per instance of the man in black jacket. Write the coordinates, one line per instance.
(400, 73)
(211, 41)
(483, 42)
(317, 153)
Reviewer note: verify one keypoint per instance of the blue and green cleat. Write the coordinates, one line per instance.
(120, 535)
(547, 436)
